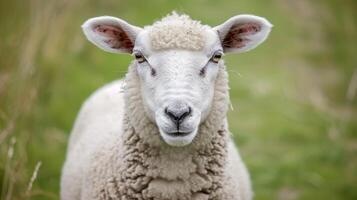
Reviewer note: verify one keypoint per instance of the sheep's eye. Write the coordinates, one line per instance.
(216, 57)
(139, 57)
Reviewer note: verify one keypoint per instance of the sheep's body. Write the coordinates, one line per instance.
(162, 133)
(117, 153)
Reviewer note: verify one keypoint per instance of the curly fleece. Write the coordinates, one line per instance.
(177, 31)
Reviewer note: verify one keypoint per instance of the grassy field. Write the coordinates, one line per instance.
(294, 97)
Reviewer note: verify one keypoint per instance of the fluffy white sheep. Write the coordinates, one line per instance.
(161, 133)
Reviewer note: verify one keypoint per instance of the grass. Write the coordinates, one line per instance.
(295, 107)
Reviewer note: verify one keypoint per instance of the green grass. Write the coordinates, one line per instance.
(293, 120)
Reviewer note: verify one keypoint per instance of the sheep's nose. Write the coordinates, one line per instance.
(178, 112)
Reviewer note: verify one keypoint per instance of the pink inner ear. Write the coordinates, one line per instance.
(116, 37)
(237, 35)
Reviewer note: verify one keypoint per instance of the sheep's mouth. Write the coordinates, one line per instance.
(178, 138)
(178, 134)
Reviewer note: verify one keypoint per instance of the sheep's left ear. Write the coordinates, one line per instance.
(242, 33)
(111, 34)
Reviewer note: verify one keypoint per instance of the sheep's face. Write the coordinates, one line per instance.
(177, 60)
(177, 85)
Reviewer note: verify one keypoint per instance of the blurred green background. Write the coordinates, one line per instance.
(294, 97)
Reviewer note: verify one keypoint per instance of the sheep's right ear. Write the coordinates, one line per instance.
(111, 34)
(242, 33)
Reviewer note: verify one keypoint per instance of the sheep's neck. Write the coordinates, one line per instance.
(167, 171)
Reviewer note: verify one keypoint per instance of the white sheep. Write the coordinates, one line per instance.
(162, 133)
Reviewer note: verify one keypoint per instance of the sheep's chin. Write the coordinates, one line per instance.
(178, 141)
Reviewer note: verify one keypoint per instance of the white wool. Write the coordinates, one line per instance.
(177, 31)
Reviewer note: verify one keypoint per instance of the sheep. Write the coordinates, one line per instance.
(162, 132)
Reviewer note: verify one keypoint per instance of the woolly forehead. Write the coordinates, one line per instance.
(177, 32)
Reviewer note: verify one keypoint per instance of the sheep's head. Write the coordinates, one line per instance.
(177, 60)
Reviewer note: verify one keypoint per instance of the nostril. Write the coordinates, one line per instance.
(178, 115)
(171, 114)
(185, 114)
